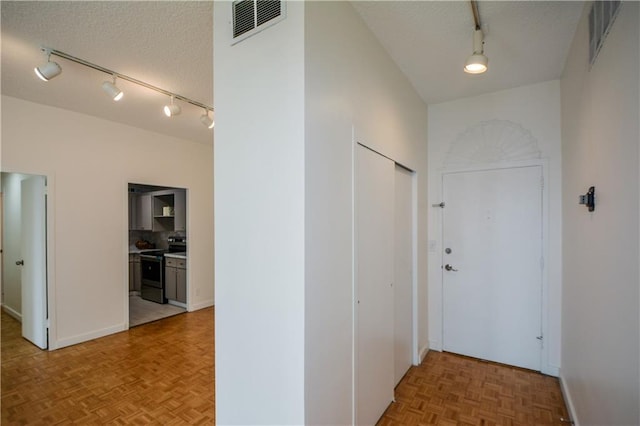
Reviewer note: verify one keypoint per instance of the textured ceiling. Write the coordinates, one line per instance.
(170, 45)
(166, 44)
(526, 42)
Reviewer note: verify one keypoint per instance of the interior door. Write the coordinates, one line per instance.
(403, 272)
(492, 277)
(34, 260)
(374, 292)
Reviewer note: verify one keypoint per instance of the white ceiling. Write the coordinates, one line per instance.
(170, 45)
(166, 44)
(526, 42)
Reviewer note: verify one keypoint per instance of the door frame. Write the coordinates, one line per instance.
(50, 256)
(415, 351)
(544, 299)
(190, 305)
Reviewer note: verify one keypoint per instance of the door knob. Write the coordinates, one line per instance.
(450, 268)
(20, 262)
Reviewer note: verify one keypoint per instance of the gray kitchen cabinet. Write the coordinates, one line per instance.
(181, 285)
(131, 273)
(169, 210)
(170, 279)
(140, 214)
(134, 272)
(176, 279)
(163, 211)
(132, 211)
(180, 210)
(137, 275)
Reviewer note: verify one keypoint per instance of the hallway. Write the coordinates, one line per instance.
(449, 389)
(163, 372)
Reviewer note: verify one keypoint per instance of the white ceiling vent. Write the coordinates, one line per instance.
(252, 16)
(601, 17)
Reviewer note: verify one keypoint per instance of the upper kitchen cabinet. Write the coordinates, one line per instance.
(169, 210)
(157, 209)
(140, 217)
(180, 210)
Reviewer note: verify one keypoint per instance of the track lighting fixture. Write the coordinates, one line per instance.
(48, 70)
(206, 120)
(477, 62)
(172, 109)
(112, 90)
(51, 69)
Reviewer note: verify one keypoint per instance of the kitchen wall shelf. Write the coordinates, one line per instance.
(147, 211)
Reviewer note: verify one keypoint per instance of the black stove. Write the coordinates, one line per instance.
(152, 269)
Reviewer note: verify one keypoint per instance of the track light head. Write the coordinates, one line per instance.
(48, 70)
(172, 109)
(477, 62)
(112, 90)
(206, 120)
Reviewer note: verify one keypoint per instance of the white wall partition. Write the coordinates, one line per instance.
(287, 102)
(601, 281)
(260, 212)
(88, 162)
(354, 91)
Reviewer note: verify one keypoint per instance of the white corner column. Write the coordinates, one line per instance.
(259, 169)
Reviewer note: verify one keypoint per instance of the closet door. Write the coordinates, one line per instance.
(374, 279)
(403, 272)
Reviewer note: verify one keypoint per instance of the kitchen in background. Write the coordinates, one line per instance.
(157, 253)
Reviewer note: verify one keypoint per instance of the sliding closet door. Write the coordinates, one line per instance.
(374, 291)
(403, 272)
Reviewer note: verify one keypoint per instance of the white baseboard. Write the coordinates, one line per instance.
(550, 370)
(436, 345)
(178, 304)
(567, 399)
(200, 305)
(423, 353)
(12, 312)
(74, 340)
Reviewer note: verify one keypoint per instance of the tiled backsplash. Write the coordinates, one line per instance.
(157, 238)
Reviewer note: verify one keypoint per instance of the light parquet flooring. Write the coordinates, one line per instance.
(449, 389)
(157, 373)
(163, 373)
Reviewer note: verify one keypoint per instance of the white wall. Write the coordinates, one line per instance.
(600, 116)
(259, 221)
(11, 245)
(351, 85)
(531, 115)
(88, 163)
(287, 101)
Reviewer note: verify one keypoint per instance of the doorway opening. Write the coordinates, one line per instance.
(157, 230)
(24, 254)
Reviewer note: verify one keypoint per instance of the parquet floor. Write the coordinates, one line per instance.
(158, 373)
(448, 389)
(163, 373)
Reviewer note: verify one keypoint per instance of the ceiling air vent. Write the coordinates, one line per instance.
(252, 16)
(601, 17)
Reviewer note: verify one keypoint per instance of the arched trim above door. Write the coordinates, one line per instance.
(493, 141)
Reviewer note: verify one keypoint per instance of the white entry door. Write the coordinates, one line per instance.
(34, 261)
(492, 265)
(374, 292)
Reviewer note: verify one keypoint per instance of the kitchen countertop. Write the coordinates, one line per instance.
(140, 251)
(179, 255)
